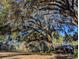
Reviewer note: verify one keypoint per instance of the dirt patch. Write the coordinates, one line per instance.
(16, 55)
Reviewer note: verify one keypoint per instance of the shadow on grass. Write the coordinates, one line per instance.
(64, 57)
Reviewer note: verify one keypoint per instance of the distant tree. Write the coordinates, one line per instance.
(75, 36)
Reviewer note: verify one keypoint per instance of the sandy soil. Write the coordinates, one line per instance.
(14, 55)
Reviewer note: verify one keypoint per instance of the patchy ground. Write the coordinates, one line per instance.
(17, 55)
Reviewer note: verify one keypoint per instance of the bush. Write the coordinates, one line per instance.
(40, 46)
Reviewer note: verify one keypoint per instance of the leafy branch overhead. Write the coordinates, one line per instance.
(45, 15)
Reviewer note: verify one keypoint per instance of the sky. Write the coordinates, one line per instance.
(71, 33)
